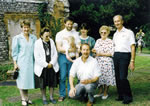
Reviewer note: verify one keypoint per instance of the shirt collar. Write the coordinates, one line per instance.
(30, 37)
(122, 30)
(88, 59)
(84, 38)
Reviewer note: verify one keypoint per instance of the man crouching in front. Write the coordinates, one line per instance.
(87, 71)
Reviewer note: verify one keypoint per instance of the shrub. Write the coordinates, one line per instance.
(3, 71)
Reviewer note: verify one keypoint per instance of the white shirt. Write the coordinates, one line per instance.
(60, 37)
(40, 59)
(88, 70)
(123, 40)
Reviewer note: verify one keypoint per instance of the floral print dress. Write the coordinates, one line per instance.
(105, 63)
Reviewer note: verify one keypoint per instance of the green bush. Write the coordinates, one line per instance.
(47, 20)
(3, 71)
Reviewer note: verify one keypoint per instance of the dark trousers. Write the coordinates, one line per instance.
(121, 63)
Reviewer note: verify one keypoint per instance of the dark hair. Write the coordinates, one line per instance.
(84, 44)
(25, 22)
(84, 26)
(43, 30)
(68, 19)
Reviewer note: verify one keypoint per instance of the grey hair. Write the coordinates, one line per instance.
(118, 16)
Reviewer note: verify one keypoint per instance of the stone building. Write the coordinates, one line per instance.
(13, 11)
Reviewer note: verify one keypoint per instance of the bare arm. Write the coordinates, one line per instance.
(104, 54)
(15, 65)
(88, 81)
(72, 88)
(68, 57)
(59, 47)
(101, 54)
(132, 57)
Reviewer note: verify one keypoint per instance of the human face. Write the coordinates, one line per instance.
(68, 25)
(118, 22)
(103, 34)
(85, 50)
(46, 36)
(84, 32)
(26, 29)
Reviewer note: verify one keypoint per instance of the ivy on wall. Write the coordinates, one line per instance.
(47, 20)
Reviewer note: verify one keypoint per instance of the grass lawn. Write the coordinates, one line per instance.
(139, 81)
(145, 50)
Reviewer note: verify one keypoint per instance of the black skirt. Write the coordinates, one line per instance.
(47, 78)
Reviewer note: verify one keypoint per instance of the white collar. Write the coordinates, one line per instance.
(84, 38)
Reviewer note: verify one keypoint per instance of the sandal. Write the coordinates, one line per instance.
(24, 103)
(98, 95)
(30, 102)
(61, 99)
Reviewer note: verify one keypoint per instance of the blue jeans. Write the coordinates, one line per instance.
(64, 65)
(83, 89)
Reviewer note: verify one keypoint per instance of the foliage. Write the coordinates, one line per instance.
(55, 26)
(146, 29)
(3, 70)
(101, 12)
(43, 15)
(47, 20)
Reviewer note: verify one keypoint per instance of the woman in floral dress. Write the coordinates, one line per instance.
(104, 49)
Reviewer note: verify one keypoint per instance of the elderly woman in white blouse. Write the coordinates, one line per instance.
(46, 65)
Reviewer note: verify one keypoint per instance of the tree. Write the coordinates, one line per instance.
(100, 12)
(47, 20)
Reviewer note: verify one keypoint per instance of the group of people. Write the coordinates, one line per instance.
(95, 64)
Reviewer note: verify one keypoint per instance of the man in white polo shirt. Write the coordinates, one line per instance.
(64, 63)
(87, 71)
(124, 56)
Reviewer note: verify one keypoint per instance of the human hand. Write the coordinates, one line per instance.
(72, 92)
(16, 67)
(72, 50)
(93, 50)
(131, 66)
(50, 65)
(85, 81)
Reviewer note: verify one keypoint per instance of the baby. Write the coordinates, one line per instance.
(70, 45)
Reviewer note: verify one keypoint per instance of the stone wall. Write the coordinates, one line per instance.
(13, 11)
(3, 40)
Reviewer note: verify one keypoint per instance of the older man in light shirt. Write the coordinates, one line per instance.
(124, 57)
(87, 71)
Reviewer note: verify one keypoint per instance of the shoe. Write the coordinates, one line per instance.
(119, 99)
(104, 97)
(30, 102)
(24, 103)
(45, 102)
(61, 99)
(126, 101)
(89, 103)
(53, 101)
(84, 99)
(98, 95)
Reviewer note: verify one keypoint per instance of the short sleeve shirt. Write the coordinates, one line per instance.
(60, 37)
(85, 70)
(123, 40)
